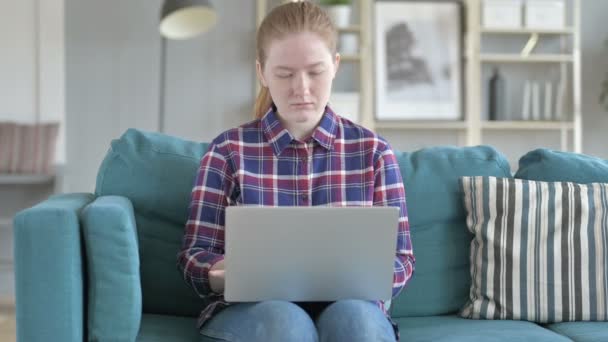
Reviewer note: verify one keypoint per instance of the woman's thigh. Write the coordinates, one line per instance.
(263, 321)
(354, 321)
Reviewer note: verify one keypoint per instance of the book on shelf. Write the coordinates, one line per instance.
(525, 111)
(561, 93)
(548, 100)
(539, 102)
(535, 101)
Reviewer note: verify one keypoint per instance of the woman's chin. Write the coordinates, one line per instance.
(304, 115)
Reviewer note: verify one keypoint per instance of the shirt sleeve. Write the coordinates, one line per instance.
(203, 241)
(389, 191)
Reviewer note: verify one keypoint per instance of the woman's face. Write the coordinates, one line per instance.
(298, 72)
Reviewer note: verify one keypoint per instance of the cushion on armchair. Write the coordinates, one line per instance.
(437, 221)
(156, 173)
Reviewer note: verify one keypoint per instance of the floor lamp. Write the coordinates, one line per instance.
(180, 20)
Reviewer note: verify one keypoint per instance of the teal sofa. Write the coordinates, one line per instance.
(102, 266)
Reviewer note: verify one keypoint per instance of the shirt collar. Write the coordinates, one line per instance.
(279, 137)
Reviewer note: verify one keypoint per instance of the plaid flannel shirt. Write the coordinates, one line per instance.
(260, 163)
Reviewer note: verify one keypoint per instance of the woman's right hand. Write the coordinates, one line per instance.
(216, 277)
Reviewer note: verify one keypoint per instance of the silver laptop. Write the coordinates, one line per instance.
(309, 253)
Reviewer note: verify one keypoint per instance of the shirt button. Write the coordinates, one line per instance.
(304, 197)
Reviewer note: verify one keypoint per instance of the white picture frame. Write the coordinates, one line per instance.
(418, 60)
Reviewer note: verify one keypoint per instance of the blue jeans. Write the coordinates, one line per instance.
(345, 320)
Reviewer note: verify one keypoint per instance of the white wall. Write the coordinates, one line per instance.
(32, 68)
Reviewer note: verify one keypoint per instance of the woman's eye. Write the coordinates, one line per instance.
(316, 73)
(284, 75)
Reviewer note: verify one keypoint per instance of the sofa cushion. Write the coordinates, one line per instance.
(539, 252)
(555, 166)
(439, 234)
(113, 270)
(582, 331)
(162, 328)
(156, 172)
(456, 329)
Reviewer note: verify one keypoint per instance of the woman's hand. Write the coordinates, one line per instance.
(216, 277)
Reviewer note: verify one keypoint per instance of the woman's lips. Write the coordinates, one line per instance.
(302, 105)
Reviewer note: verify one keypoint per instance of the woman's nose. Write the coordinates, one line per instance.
(301, 85)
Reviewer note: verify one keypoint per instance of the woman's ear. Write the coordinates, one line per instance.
(258, 71)
(336, 63)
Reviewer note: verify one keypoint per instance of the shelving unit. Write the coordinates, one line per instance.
(472, 127)
(569, 60)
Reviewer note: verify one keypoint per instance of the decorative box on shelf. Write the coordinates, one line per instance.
(545, 14)
(502, 14)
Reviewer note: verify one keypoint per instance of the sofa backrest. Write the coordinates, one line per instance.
(156, 172)
(437, 217)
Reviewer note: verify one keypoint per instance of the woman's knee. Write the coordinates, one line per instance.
(263, 321)
(284, 316)
(354, 320)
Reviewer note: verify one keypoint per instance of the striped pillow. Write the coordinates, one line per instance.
(540, 250)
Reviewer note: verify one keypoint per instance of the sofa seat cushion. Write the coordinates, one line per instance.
(455, 329)
(161, 328)
(582, 331)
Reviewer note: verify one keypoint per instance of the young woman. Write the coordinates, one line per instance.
(297, 152)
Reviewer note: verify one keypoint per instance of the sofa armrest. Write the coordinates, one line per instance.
(49, 277)
(114, 287)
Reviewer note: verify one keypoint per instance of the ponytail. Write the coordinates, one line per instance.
(262, 103)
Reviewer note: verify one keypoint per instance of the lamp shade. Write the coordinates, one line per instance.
(183, 19)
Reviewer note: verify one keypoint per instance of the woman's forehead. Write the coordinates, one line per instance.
(301, 49)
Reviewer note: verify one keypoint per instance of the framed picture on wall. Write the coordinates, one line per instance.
(417, 60)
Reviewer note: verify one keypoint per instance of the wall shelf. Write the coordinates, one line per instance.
(526, 31)
(422, 125)
(526, 125)
(21, 179)
(512, 58)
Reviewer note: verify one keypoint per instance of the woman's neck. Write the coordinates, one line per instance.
(301, 131)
